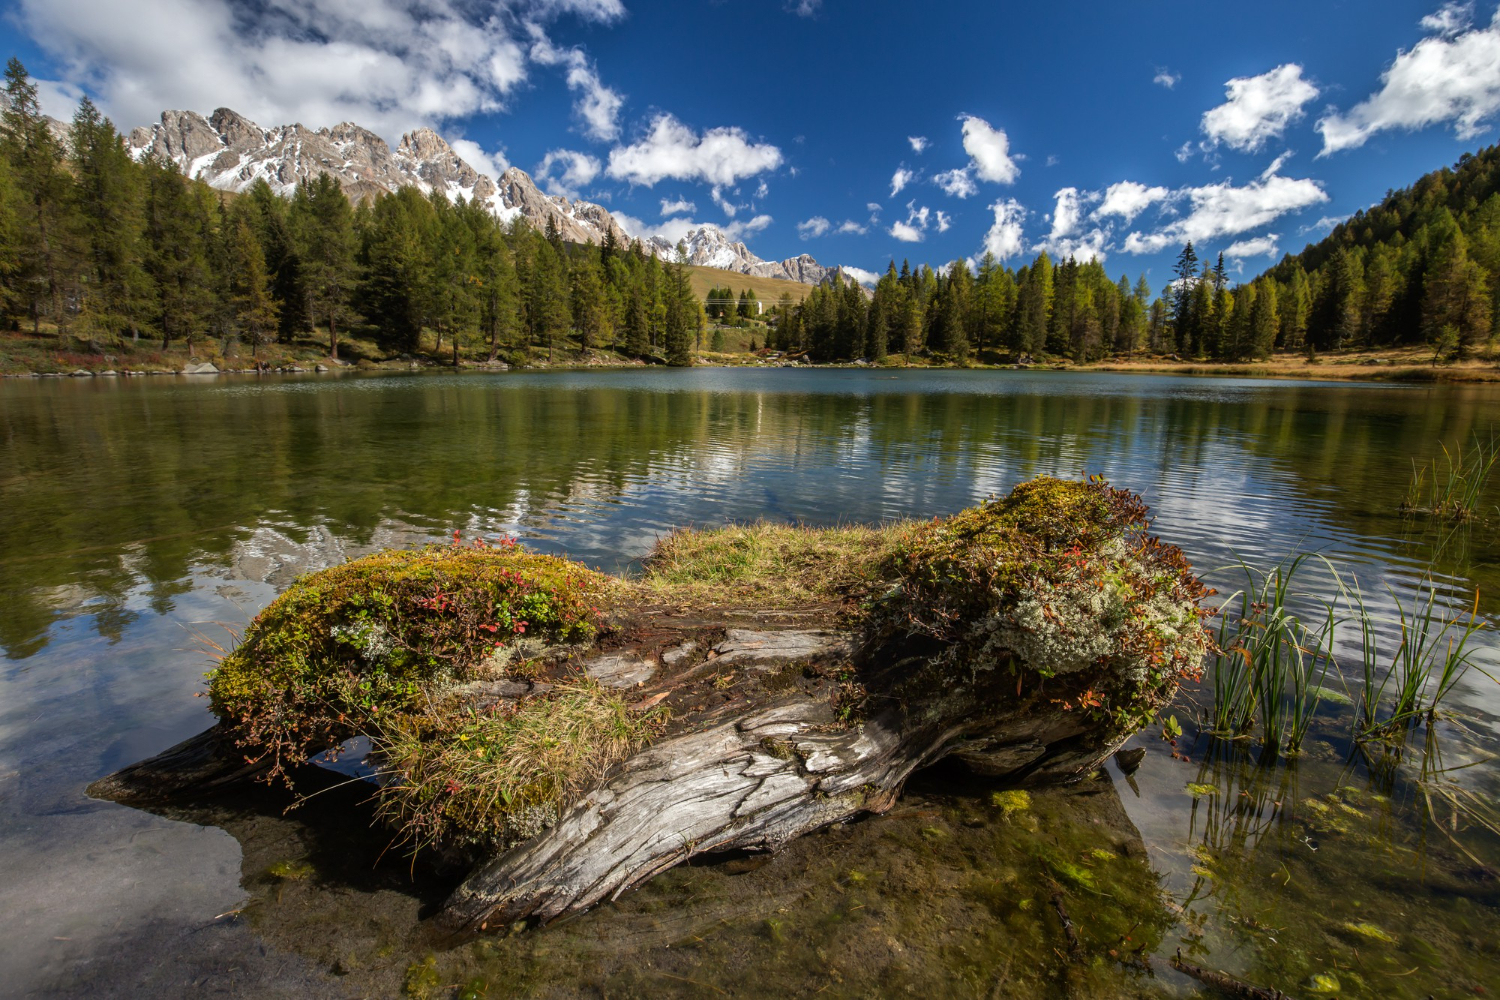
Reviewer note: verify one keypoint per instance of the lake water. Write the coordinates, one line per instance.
(139, 517)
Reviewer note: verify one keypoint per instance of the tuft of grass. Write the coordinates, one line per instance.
(769, 565)
(491, 779)
(1271, 663)
(1451, 487)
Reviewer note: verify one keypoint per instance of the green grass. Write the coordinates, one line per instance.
(489, 779)
(768, 290)
(1272, 664)
(769, 565)
(1450, 487)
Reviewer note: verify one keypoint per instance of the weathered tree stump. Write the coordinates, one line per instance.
(1028, 638)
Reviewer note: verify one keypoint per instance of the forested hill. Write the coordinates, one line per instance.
(1422, 266)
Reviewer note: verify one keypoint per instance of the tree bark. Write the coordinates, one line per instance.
(775, 731)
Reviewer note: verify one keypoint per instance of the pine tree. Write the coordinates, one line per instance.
(178, 237)
(637, 331)
(678, 297)
(590, 310)
(254, 309)
(322, 222)
(110, 198)
(48, 239)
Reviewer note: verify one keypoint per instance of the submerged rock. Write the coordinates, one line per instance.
(559, 730)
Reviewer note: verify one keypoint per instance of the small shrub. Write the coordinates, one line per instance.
(1062, 577)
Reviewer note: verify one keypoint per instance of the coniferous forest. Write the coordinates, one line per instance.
(103, 248)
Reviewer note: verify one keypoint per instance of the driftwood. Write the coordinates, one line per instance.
(1226, 984)
(756, 755)
(1027, 638)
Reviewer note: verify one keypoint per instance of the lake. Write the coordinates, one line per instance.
(142, 518)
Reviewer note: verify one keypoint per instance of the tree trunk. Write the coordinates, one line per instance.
(774, 732)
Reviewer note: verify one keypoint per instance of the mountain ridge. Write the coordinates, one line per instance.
(230, 152)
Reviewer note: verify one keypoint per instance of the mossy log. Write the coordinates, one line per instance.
(571, 735)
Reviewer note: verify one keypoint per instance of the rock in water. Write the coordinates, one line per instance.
(570, 734)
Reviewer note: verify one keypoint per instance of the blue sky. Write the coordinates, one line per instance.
(786, 122)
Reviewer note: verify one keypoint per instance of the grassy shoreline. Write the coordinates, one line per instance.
(25, 355)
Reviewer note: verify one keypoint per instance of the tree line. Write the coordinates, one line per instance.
(1069, 309)
(1423, 266)
(106, 248)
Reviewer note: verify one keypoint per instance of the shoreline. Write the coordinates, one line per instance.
(1366, 365)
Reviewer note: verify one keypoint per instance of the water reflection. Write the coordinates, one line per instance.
(134, 507)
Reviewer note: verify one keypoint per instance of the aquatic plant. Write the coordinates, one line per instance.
(1451, 487)
(1270, 662)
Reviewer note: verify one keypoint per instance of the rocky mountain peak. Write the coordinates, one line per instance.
(231, 152)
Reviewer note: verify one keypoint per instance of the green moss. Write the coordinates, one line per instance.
(1198, 790)
(1011, 801)
(1370, 931)
(348, 648)
(291, 871)
(1057, 578)
(422, 981)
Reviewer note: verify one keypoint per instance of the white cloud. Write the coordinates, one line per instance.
(1067, 213)
(1452, 76)
(859, 274)
(914, 229)
(680, 206)
(814, 227)
(1005, 236)
(726, 206)
(1127, 199)
(1259, 108)
(918, 143)
(1184, 152)
(761, 190)
(850, 226)
(1323, 225)
(956, 183)
(1260, 246)
(598, 107)
(804, 8)
(906, 233)
(1166, 78)
(566, 172)
(944, 221)
(1451, 19)
(720, 156)
(1219, 210)
(677, 228)
(989, 149)
(1065, 241)
(494, 164)
(900, 179)
(390, 65)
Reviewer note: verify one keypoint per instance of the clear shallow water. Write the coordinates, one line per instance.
(133, 513)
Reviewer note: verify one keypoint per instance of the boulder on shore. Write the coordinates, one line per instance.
(567, 734)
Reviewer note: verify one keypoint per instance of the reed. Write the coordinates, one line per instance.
(1270, 661)
(1451, 487)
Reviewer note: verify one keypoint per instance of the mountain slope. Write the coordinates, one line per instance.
(230, 152)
